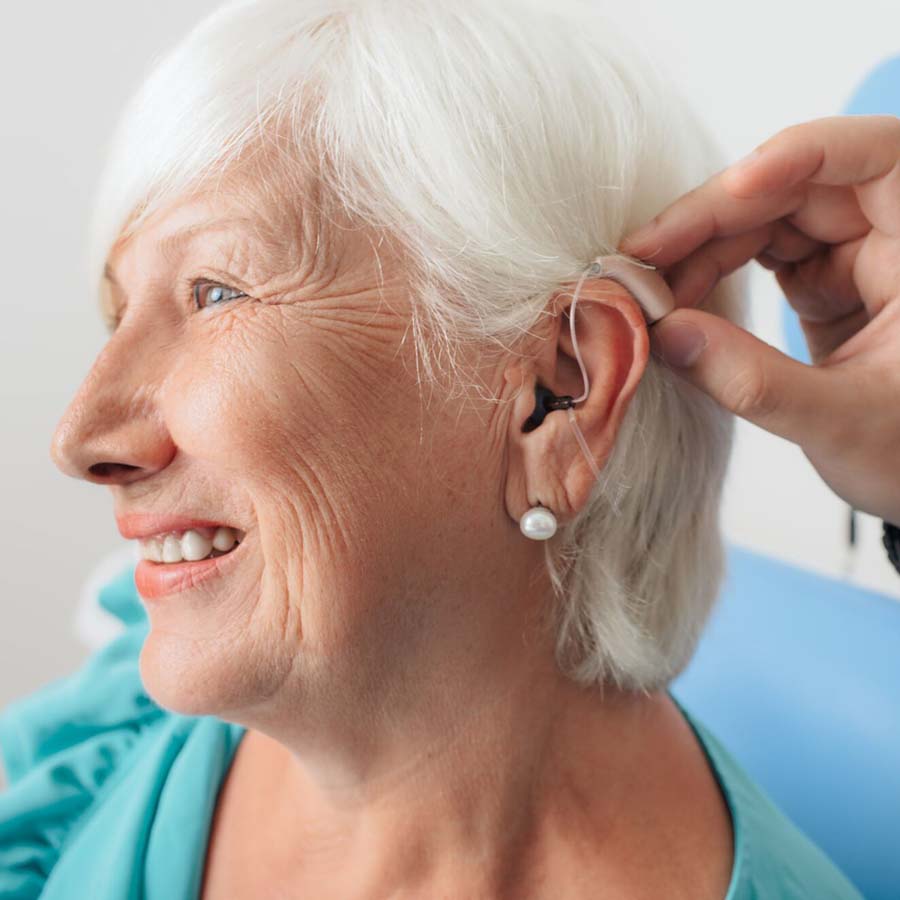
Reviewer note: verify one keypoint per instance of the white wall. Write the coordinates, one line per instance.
(750, 69)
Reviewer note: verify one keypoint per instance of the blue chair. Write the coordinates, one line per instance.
(799, 676)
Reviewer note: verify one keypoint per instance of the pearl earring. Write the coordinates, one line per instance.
(538, 523)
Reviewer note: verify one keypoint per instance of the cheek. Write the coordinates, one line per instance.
(316, 444)
(279, 397)
(229, 397)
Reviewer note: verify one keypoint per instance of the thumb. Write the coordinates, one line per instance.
(746, 375)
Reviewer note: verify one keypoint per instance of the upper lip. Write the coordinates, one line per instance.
(144, 525)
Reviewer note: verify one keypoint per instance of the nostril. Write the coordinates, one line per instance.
(111, 470)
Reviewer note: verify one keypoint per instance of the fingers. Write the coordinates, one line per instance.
(705, 213)
(822, 288)
(835, 150)
(693, 278)
(821, 213)
(789, 244)
(858, 152)
(696, 275)
(804, 172)
(749, 377)
(830, 215)
(824, 338)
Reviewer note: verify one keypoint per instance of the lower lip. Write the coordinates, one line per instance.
(156, 580)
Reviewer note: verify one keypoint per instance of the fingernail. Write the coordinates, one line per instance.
(678, 344)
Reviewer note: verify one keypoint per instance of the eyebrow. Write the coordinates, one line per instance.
(168, 244)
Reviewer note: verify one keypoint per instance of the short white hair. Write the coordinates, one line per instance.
(505, 144)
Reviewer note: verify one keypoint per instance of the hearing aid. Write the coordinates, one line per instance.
(647, 286)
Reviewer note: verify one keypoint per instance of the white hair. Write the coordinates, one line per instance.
(505, 145)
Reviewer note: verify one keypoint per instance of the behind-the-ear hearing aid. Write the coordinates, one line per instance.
(656, 301)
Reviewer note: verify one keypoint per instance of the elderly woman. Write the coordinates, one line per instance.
(338, 243)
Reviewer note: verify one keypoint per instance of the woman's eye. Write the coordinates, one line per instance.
(208, 293)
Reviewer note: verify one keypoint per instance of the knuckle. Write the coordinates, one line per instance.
(748, 394)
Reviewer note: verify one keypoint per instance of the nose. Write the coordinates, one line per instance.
(113, 431)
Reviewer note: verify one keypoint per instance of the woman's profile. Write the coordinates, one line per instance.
(336, 245)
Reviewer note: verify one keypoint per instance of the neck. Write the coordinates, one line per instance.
(482, 781)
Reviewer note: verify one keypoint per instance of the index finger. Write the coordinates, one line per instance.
(842, 151)
(771, 183)
(707, 212)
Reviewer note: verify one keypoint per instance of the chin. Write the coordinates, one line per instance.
(181, 678)
(187, 676)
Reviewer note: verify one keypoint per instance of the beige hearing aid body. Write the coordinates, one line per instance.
(647, 285)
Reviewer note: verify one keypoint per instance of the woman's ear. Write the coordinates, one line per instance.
(547, 465)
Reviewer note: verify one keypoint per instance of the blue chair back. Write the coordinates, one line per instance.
(799, 676)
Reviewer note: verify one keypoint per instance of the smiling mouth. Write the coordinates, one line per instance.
(191, 545)
(155, 580)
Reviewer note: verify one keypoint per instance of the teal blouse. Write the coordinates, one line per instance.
(111, 797)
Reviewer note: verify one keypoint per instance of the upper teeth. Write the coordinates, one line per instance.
(191, 545)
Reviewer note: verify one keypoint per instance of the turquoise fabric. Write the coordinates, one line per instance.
(111, 797)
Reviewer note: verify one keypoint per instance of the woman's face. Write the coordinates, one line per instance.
(376, 532)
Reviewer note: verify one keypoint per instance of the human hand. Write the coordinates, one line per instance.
(818, 204)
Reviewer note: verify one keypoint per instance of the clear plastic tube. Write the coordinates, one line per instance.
(593, 268)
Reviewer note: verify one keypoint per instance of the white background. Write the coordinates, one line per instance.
(65, 73)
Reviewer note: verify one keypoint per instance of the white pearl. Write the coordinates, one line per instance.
(538, 523)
